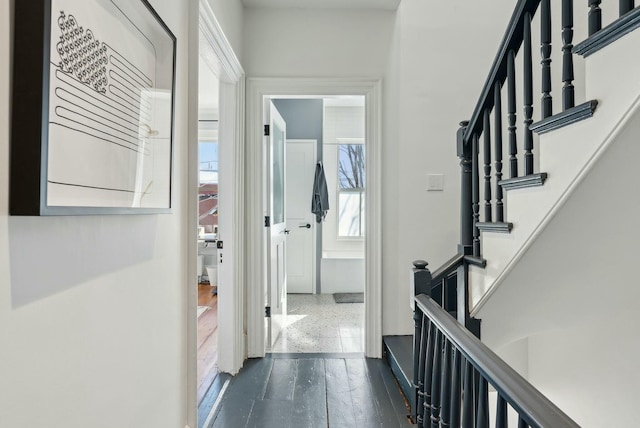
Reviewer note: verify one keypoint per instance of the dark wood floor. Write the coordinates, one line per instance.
(207, 339)
(313, 392)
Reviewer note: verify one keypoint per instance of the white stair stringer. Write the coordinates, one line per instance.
(566, 316)
(567, 155)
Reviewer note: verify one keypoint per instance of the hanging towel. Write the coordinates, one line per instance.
(320, 200)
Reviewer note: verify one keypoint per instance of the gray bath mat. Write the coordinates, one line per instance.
(348, 297)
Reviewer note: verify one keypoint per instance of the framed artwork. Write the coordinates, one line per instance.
(92, 115)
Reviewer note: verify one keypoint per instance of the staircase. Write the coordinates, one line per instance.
(548, 210)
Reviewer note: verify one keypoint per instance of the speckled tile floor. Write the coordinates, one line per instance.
(315, 323)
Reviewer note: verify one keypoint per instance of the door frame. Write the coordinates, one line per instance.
(209, 36)
(314, 234)
(257, 90)
(276, 296)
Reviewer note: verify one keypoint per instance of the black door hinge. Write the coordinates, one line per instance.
(267, 311)
(267, 131)
(267, 221)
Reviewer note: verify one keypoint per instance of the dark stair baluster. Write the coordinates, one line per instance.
(546, 108)
(626, 6)
(487, 165)
(445, 392)
(522, 423)
(528, 96)
(424, 332)
(456, 389)
(475, 195)
(482, 421)
(595, 16)
(501, 413)
(497, 132)
(568, 97)
(435, 381)
(511, 115)
(466, 210)
(428, 373)
(467, 397)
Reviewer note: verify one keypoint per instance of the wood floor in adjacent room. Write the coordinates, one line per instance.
(207, 339)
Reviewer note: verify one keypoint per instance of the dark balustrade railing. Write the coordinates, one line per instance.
(512, 115)
(456, 371)
(497, 110)
(595, 16)
(447, 286)
(452, 368)
(568, 98)
(480, 140)
(475, 191)
(487, 166)
(626, 6)
(546, 104)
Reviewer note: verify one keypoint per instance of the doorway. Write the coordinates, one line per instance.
(324, 308)
(258, 90)
(221, 119)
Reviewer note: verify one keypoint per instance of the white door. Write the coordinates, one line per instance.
(301, 243)
(276, 291)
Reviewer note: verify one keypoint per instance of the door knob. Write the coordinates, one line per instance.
(287, 231)
(305, 226)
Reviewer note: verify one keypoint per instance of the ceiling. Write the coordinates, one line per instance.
(324, 4)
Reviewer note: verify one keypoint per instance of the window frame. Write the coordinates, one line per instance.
(360, 190)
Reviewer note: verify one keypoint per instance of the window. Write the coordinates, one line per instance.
(351, 180)
(208, 160)
(208, 188)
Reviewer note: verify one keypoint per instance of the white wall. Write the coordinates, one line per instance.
(574, 295)
(566, 155)
(342, 275)
(433, 57)
(229, 14)
(316, 42)
(93, 309)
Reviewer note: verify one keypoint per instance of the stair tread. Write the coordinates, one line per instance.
(401, 347)
(495, 226)
(531, 180)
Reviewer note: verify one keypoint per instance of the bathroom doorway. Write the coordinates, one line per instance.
(259, 89)
(325, 257)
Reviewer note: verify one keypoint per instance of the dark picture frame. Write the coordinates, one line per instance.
(92, 113)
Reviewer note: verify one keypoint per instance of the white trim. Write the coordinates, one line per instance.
(231, 290)
(191, 322)
(216, 404)
(257, 89)
(227, 65)
(231, 296)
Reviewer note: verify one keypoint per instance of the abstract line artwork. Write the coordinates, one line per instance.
(107, 133)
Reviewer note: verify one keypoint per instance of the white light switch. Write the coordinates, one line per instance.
(435, 182)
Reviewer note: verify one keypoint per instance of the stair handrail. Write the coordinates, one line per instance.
(437, 335)
(533, 407)
(448, 268)
(486, 178)
(512, 40)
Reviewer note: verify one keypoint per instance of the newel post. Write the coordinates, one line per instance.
(420, 284)
(466, 209)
